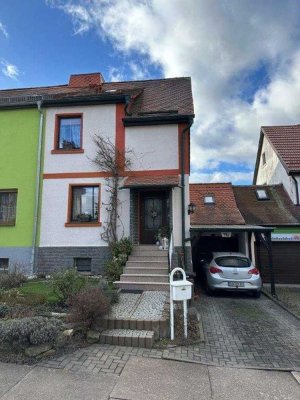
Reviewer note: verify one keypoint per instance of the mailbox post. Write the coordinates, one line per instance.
(179, 291)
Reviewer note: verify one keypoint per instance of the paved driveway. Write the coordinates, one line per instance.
(246, 332)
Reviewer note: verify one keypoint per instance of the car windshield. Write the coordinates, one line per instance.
(233, 261)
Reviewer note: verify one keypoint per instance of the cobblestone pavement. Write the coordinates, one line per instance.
(239, 331)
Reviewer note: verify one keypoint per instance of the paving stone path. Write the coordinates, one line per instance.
(239, 331)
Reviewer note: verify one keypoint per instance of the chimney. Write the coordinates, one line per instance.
(94, 80)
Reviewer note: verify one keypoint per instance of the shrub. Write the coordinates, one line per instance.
(123, 246)
(110, 291)
(68, 283)
(113, 270)
(9, 280)
(4, 310)
(29, 331)
(87, 306)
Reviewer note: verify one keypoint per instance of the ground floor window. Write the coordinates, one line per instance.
(83, 264)
(4, 264)
(84, 201)
(8, 204)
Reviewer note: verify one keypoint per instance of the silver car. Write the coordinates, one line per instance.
(232, 271)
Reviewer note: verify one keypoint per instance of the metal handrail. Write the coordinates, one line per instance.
(170, 250)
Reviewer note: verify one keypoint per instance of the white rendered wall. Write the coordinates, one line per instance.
(97, 120)
(273, 171)
(176, 198)
(55, 211)
(154, 147)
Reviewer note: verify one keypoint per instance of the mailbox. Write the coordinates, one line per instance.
(182, 289)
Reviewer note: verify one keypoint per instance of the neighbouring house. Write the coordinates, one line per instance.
(278, 158)
(19, 138)
(152, 120)
(245, 219)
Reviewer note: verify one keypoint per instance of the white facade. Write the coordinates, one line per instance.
(273, 172)
(153, 147)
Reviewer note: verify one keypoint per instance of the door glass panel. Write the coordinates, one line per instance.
(153, 213)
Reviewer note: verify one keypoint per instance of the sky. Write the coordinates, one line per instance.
(243, 57)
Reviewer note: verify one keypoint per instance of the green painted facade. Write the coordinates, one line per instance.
(287, 230)
(19, 131)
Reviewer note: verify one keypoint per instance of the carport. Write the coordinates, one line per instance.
(218, 225)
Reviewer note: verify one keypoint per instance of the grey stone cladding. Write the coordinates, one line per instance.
(177, 258)
(52, 259)
(18, 258)
(134, 199)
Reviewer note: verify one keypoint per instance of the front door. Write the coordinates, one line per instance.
(153, 215)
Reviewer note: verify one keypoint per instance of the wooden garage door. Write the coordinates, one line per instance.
(286, 260)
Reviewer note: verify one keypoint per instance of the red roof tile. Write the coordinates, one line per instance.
(143, 181)
(286, 142)
(172, 96)
(224, 211)
(278, 210)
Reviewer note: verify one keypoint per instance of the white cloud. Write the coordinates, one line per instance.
(10, 70)
(219, 176)
(3, 30)
(219, 44)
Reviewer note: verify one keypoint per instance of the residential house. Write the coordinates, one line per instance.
(19, 139)
(152, 120)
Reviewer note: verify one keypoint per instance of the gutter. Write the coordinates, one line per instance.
(157, 119)
(297, 189)
(183, 205)
(37, 189)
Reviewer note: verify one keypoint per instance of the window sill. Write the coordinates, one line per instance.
(7, 224)
(82, 225)
(62, 151)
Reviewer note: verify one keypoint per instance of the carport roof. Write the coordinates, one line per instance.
(151, 181)
(231, 228)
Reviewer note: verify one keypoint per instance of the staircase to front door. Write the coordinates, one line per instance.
(146, 269)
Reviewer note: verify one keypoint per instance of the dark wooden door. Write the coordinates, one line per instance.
(153, 215)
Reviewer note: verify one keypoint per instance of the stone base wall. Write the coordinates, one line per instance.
(134, 199)
(18, 258)
(50, 259)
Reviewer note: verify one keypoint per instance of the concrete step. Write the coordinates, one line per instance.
(129, 338)
(151, 253)
(159, 327)
(146, 247)
(147, 264)
(145, 270)
(142, 286)
(141, 258)
(144, 278)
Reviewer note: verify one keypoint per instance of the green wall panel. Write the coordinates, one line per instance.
(18, 144)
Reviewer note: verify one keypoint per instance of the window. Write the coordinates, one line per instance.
(209, 200)
(83, 205)
(4, 264)
(262, 194)
(263, 157)
(68, 133)
(83, 264)
(8, 203)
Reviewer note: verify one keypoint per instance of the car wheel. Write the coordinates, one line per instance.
(257, 294)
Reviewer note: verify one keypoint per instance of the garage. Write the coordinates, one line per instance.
(286, 262)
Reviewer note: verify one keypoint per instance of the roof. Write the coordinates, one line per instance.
(285, 141)
(148, 98)
(278, 210)
(224, 211)
(230, 228)
(150, 181)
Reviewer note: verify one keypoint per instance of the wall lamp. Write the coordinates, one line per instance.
(191, 208)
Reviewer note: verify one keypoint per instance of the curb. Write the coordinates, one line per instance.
(212, 364)
(279, 303)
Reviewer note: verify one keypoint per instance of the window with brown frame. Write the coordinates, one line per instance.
(68, 133)
(84, 201)
(8, 205)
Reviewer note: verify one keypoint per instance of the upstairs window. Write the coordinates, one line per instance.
(263, 157)
(209, 199)
(83, 205)
(262, 194)
(8, 204)
(68, 133)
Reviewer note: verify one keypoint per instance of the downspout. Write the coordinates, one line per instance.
(37, 189)
(297, 189)
(183, 205)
